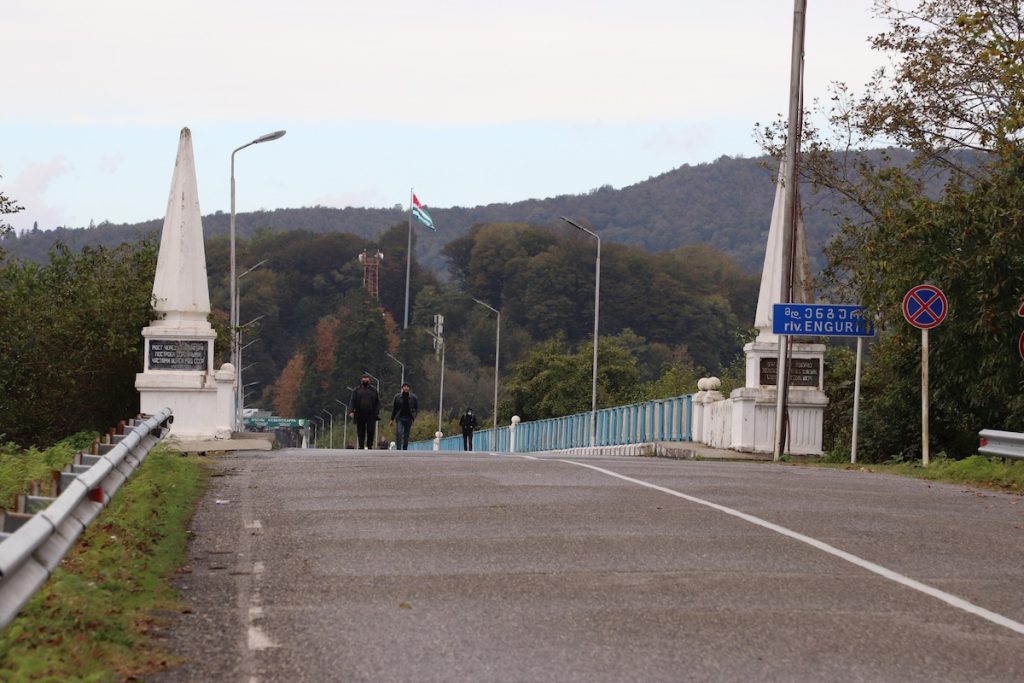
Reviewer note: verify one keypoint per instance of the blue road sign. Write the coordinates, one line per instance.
(821, 320)
(925, 306)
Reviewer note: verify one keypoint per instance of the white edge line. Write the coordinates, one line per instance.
(945, 597)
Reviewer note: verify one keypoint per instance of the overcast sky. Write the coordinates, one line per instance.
(469, 101)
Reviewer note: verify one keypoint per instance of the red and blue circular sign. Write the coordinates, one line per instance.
(925, 306)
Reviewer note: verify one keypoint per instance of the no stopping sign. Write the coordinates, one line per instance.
(925, 306)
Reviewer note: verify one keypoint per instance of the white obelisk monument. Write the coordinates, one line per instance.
(178, 367)
(754, 405)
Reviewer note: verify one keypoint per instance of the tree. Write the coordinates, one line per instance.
(71, 340)
(552, 381)
(7, 206)
(954, 97)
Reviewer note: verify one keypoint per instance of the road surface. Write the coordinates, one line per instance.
(315, 565)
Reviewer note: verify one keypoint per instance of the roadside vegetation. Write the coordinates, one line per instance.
(94, 619)
(977, 470)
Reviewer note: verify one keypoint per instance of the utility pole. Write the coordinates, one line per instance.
(793, 134)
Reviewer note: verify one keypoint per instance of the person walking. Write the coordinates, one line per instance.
(468, 424)
(403, 412)
(365, 411)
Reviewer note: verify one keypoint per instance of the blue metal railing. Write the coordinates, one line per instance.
(663, 419)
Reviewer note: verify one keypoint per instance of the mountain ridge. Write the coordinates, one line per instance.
(725, 203)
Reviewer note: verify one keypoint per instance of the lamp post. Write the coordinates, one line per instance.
(323, 422)
(399, 362)
(234, 302)
(237, 340)
(330, 439)
(440, 400)
(497, 350)
(239, 397)
(597, 302)
(344, 435)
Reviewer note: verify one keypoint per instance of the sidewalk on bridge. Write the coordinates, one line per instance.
(239, 441)
(691, 450)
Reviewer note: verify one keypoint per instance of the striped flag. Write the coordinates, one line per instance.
(421, 214)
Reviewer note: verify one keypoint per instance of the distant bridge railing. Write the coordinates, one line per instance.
(663, 419)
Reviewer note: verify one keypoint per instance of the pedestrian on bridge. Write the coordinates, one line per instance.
(468, 424)
(365, 411)
(403, 412)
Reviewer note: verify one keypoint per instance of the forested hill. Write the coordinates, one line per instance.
(726, 204)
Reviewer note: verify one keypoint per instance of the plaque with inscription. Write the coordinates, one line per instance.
(803, 372)
(177, 354)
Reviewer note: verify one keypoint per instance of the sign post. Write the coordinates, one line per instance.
(828, 320)
(924, 307)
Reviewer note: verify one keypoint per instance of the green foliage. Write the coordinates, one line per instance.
(7, 206)
(90, 621)
(71, 340)
(689, 301)
(955, 85)
(19, 468)
(677, 379)
(551, 381)
(975, 470)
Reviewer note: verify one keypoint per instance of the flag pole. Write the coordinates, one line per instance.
(408, 263)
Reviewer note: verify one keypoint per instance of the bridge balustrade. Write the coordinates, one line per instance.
(663, 419)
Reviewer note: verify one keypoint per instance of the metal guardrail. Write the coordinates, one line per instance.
(1004, 444)
(30, 554)
(663, 419)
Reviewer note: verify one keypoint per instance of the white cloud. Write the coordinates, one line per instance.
(29, 189)
(359, 198)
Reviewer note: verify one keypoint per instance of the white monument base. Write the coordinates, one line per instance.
(201, 402)
(753, 420)
(753, 411)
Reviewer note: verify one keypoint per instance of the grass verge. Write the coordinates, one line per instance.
(92, 620)
(978, 470)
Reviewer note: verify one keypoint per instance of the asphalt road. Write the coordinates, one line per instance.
(384, 566)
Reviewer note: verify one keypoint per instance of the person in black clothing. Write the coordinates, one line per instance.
(404, 412)
(365, 411)
(468, 424)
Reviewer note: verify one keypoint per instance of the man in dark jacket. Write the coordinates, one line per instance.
(364, 409)
(403, 413)
(468, 424)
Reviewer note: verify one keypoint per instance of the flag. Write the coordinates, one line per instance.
(421, 213)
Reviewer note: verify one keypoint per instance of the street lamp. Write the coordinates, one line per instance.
(440, 400)
(331, 437)
(239, 397)
(322, 423)
(344, 435)
(234, 302)
(497, 349)
(399, 362)
(597, 302)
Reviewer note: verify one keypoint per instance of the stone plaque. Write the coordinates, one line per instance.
(177, 354)
(803, 372)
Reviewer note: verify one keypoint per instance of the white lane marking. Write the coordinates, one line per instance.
(259, 640)
(258, 567)
(945, 597)
(254, 524)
